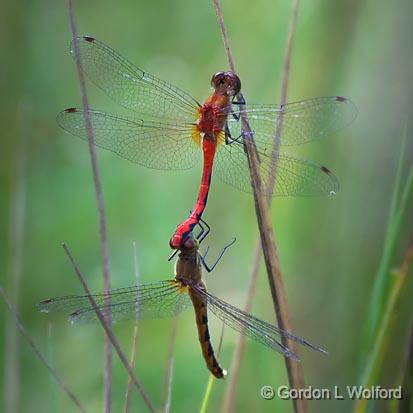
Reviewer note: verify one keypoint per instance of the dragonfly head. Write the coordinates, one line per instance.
(189, 244)
(226, 83)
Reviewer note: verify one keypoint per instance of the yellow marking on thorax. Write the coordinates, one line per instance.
(195, 135)
(181, 288)
(220, 137)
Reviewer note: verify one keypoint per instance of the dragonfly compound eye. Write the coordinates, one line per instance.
(226, 83)
(218, 79)
(233, 82)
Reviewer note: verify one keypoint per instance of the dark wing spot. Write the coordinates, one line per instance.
(70, 110)
(204, 319)
(325, 170)
(207, 337)
(48, 301)
(340, 99)
(75, 313)
(89, 39)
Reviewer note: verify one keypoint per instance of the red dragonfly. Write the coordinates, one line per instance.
(170, 297)
(179, 126)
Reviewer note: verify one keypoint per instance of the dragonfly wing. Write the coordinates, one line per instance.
(130, 86)
(152, 300)
(152, 144)
(253, 327)
(289, 177)
(297, 122)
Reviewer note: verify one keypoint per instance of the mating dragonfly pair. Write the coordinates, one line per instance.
(178, 128)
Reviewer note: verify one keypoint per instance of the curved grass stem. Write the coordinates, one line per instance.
(269, 248)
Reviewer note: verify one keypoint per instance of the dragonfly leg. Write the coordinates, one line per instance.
(173, 255)
(228, 137)
(238, 100)
(205, 253)
(211, 268)
(204, 231)
(236, 116)
(239, 139)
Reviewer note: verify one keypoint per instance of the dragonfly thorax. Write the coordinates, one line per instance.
(209, 122)
(188, 266)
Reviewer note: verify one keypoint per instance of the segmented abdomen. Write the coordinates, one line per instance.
(200, 307)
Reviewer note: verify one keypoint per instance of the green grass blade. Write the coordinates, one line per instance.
(374, 363)
(211, 378)
(381, 283)
(207, 394)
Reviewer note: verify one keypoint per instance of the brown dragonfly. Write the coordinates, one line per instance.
(170, 297)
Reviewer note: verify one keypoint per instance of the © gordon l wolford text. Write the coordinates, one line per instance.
(334, 393)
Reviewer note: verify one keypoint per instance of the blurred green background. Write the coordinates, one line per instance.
(329, 248)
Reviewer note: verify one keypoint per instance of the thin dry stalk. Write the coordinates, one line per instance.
(229, 396)
(109, 334)
(132, 363)
(134, 338)
(167, 382)
(228, 403)
(266, 234)
(107, 395)
(167, 406)
(17, 212)
(38, 353)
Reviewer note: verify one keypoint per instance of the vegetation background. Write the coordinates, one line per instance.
(329, 249)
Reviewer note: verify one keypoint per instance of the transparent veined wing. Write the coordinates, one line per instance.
(297, 123)
(130, 86)
(152, 144)
(291, 176)
(253, 327)
(152, 300)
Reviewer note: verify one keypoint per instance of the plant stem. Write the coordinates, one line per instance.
(109, 334)
(107, 395)
(269, 248)
(167, 383)
(372, 370)
(406, 403)
(229, 396)
(38, 353)
(378, 295)
(134, 337)
(17, 212)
